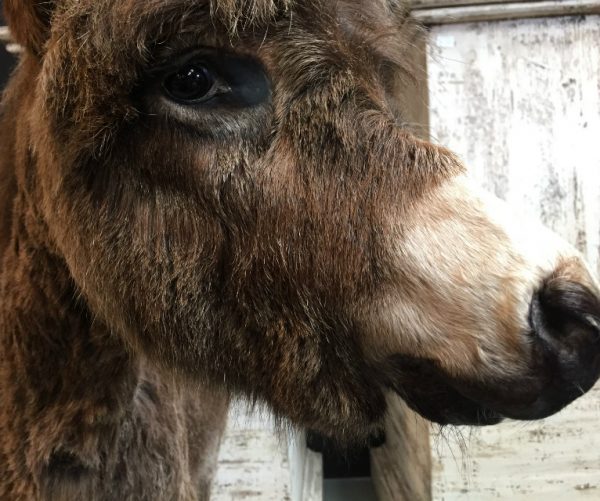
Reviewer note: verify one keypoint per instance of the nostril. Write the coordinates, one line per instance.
(565, 321)
(566, 316)
(561, 305)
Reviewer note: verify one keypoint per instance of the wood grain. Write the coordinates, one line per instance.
(306, 469)
(520, 102)
(402, 467)
(502, 11)
(434, 4)
(259, 463)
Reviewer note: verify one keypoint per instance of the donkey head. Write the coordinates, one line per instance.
(231, 191)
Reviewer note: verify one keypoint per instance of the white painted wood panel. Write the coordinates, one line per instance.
(520, 103)
(258, 462)
(475, 11)
(306, 468)
(253, 460)
(554, 460)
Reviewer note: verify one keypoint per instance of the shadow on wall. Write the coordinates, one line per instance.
(7, 61)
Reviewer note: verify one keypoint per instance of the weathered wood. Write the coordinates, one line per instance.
(259, 463)
(411, 97)
(504, 11)
(435, 4)
(307, 471)
(557, 460)
(253, 460)
(402, 467)
(519, 102)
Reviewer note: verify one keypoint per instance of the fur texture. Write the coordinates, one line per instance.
(158, 258)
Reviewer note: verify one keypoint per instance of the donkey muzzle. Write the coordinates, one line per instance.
(565, 326)
(564, 341)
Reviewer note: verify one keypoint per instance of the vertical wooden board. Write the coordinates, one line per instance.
(520, 103)
(306, 469)
(402, 467)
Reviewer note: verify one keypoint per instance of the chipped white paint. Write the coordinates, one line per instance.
(520, 102)
(463, 11)
(257, 464)
(554, 460)
(253, 460)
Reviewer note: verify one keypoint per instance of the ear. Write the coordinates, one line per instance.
(29, 22)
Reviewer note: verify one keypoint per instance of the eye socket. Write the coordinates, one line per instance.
(192, 83)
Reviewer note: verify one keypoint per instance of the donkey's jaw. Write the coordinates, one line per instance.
(469, 273)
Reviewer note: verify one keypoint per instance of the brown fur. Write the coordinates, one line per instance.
(82, 416)
(153, 265)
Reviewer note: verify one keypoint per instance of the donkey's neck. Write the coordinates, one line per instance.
(65, 381)
(60, 352)
(80, 416)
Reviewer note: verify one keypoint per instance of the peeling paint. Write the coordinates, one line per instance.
(523, 112)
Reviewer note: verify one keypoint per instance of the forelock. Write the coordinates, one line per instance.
(247, 12)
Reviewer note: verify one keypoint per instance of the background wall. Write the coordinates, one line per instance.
(519, 101)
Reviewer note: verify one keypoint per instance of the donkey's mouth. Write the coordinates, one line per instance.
(563, 363)
(444, 400)
(427, 391)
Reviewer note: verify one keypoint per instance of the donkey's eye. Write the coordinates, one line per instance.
(204, 80)
(192, 83)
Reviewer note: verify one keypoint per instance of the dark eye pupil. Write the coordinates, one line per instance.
(192, 82)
